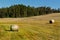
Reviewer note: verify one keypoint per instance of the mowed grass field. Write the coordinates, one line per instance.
(31, 28)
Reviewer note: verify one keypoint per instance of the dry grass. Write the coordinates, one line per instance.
(31, 28)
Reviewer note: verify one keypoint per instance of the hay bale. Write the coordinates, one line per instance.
(51, 21)
(14, 27)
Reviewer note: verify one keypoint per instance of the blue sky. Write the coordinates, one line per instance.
(35, 3)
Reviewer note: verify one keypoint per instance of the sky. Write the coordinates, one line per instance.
(33, 3)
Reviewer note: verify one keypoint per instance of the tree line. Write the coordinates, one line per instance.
(20, 10)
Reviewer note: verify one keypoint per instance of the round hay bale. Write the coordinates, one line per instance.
(51, 21)
(14, 27)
